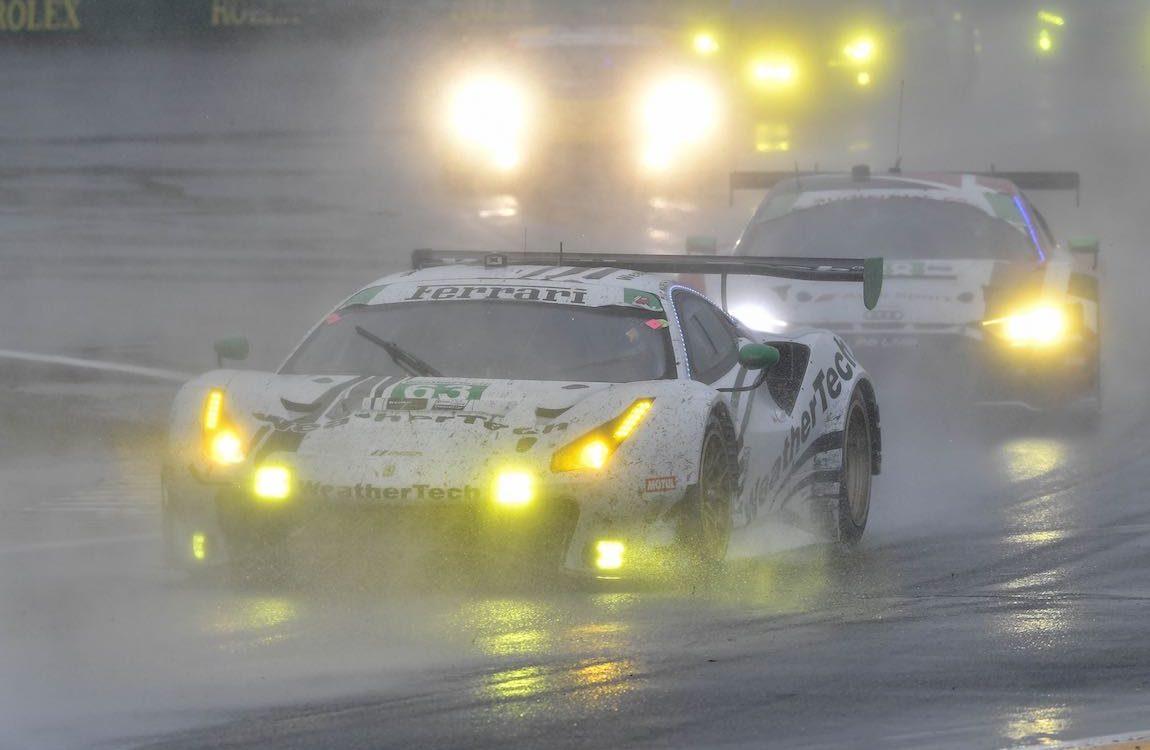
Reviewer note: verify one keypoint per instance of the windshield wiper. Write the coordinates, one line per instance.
(405, 359)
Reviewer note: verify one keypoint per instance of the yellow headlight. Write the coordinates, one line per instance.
(594, 449)
(514, 489)
(272, 482)
(1040, 326)
(609, 554)
(225, 447)
(1045, 41)
(213, 409)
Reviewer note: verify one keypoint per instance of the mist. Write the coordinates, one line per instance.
(160, 190)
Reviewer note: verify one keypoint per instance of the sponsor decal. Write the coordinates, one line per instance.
(369, 491)
(418, 396)
(660, 484)
(656, 323)
(249, 13)
(885, 315)
(828, 385)
(39, 15)
(402, 454)
(572, 295)
(639, 298)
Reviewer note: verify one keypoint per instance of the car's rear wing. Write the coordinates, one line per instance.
(1023, 180)
(867, 271)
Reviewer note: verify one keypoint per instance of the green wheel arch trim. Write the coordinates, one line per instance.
(872, 281)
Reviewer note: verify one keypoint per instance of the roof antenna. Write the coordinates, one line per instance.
(560, 252)
(798, 177)
(897, 168)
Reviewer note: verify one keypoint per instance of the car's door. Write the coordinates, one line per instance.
(712, 340)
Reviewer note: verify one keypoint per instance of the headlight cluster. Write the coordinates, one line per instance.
(224, 447)
(1041, 325)
(591, 451)
(221, 441)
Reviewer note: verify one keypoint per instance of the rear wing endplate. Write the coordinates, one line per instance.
(867, 271)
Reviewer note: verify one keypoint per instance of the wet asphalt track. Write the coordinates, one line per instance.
(1001, 596)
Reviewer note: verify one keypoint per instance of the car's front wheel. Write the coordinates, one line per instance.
(706, 522)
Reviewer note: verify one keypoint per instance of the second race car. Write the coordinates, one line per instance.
(976, 284)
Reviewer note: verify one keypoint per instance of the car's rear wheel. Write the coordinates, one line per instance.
(855, 473)
(706, 523)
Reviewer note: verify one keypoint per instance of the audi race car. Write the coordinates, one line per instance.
(578, 415)
(975, 283)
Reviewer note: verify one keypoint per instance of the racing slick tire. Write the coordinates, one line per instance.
(705, 526)
(856, 469)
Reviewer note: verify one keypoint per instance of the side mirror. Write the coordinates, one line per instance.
(758, 356)
(1084, 252)
(235, 347)
(699, 244)
(755, 357)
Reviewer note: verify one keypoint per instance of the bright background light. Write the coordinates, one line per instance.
(758, 318)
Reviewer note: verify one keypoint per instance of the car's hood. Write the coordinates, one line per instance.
(419, 431)
(917, 296)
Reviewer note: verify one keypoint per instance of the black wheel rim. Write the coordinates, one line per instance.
(857, 467)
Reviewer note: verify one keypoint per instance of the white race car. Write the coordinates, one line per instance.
(583, 416)
(977, 290)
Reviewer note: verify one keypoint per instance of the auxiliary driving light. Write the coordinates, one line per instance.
(226, 448)
(272, 482)
(609, 554)
(514, 489)
(199, 546)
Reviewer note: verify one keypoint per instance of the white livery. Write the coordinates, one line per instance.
(591, 419)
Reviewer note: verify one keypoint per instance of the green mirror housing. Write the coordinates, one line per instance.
(701, 244)
(758, 356)
(872, 281)
(235, 347)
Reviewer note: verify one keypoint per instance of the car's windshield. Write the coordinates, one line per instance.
(893, 227)
(488, 339)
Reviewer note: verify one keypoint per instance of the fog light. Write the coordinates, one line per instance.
(225, 448)
(272, 482)
(609, 555)
(514, 489)
(199, 547)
